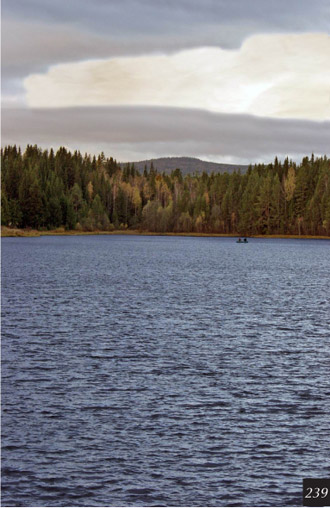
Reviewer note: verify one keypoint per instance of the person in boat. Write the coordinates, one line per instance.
(245, 240)
(239, 240)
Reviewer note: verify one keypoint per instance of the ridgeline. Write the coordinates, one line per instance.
(44, 190)
(187, 165)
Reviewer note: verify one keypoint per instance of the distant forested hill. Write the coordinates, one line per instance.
(187, 165)
(43, 189)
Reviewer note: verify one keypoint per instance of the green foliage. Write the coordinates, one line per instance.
(30, 199)
(47, 189)
(5, 215)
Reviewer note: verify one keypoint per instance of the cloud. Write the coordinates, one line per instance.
(284, 76)
(169, 16)
(34, 45)
(40, 33)
(133, 133)
(37, 34)
(279, 80)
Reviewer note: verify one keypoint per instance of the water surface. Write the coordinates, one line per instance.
(164, 371)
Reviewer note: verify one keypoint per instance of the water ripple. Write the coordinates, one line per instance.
(163, 371)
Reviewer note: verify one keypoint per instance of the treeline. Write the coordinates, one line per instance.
(43, 189)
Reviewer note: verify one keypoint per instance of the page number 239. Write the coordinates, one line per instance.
(316, 492)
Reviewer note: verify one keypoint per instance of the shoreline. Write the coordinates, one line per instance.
(33, 233)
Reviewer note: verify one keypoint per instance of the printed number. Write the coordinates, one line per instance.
(308, 496)
(324, 493)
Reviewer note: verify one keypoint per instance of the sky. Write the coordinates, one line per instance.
(235, 81)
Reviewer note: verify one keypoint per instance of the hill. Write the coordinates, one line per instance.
(187, 165)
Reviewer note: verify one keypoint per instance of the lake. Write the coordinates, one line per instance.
(164, 371)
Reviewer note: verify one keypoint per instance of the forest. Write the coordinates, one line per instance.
(45, 190)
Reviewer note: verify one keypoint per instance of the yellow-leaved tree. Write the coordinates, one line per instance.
(290, 184)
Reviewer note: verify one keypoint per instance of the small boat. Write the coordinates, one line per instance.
(242, 241)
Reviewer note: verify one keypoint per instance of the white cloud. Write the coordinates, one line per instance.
(280, 76)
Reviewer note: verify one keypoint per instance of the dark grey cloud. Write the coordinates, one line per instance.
(133, 132)
(116, 16)
(39, 33)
